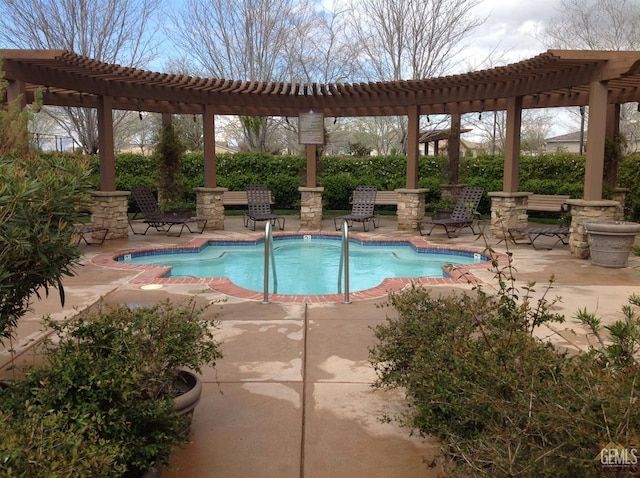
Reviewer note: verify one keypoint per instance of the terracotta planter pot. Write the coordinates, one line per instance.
(610, 242)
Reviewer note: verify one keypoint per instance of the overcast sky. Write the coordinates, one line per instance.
(512, 29)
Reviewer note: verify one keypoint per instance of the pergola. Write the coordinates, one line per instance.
(601, 80)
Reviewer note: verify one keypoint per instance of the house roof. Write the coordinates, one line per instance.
(438, 134)
(571, 137)
(552, 79)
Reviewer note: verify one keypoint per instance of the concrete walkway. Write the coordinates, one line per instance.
(292, 396)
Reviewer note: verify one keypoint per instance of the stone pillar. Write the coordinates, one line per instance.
(209, 206)
(410, 209)
(109, 209)
(451, 191)
(507, 210)
(311, 208)
(582, 212)
(620, 195)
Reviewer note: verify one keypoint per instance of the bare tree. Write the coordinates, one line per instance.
(600, 25)
(113, 31)
(491, 128)
(595, 25)
(263, 40)
(410, 39)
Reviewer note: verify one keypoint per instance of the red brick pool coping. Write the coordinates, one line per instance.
(153, 274)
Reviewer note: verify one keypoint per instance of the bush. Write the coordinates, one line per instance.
(502, 402)
(40, 200)
(109, 380)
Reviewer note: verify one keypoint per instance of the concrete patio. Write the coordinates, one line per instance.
(292, 395)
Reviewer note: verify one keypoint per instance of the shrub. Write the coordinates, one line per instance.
(40, 200)
(501, 401)
(109, 380)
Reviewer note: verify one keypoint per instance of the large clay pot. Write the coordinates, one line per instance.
(610, 242)
(188, 392)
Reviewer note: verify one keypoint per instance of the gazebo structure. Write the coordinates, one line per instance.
(601, 80)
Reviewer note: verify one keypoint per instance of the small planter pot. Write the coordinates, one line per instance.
(610, 242)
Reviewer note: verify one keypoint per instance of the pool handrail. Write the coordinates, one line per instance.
(344, 259)
(269, 254)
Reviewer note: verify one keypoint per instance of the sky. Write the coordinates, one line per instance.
(512, 29)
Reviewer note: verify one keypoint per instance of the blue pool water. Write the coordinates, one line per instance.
(305, 265)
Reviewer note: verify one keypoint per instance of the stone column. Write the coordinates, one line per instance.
(311, 208)
(209, 206)
(620, 195)
(507, 210)
(410, 209)
(582, 212)
(451, 191)
(109, 209)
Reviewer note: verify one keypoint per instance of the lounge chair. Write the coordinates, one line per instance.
(561, 233)
(464, 214)
(362, 208)
(84, 230)
(259, 208)
(156, 218)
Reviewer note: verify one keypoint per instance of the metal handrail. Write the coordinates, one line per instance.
(344, 260)
(269, 254)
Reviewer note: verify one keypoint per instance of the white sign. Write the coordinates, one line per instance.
(311, 127)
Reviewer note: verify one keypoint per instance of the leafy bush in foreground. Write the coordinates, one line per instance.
(501, 401)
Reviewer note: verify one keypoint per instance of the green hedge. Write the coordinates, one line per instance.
(545, 174)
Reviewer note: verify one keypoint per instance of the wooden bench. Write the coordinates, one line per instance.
(386, 198)
(238, 198)
(547, 202)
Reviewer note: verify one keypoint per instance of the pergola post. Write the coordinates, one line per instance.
(509, 207)
(596, 131)
(14, 90)
(209, 135)
(110, 207)
(453, 148)
(593, 208)
(512, 145)
(312, 155)
(413, 134)
(106, 144)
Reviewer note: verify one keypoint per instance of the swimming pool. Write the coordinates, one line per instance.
(305, 265)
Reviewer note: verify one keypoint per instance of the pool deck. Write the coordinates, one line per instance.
(292, 395)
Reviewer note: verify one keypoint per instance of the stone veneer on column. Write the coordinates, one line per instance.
(209, 206)
(109, 209)
(311, 207)
(507, 210)
(583, 212)
(410, 208)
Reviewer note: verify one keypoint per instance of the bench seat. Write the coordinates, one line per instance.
(238, 198)
(547, 202)
(386, 198)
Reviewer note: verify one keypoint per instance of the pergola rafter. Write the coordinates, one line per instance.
(556, 78)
